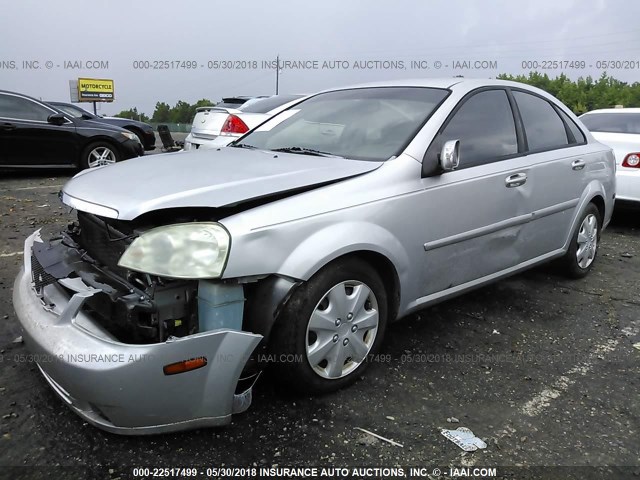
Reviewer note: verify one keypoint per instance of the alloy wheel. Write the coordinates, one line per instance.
(587, 241)
(101, 156)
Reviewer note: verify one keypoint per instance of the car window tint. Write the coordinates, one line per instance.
(577, 133)
(542, 125)
(21, 108)
(267, 104)
(72, 110)
(612, 122)
(231, 103)
(485, 127)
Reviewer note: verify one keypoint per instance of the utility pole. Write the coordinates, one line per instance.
(277, 73)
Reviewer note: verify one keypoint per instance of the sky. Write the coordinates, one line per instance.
(214, 49)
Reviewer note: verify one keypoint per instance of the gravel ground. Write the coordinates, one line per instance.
(543, 369)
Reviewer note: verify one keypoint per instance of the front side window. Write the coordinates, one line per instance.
(542, 125)
(22, 109)
(364, 124)
(485, 127)
(73, 111)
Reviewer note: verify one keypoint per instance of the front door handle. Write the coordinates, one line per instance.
(515, 180)
(578, 164)
(7, 127)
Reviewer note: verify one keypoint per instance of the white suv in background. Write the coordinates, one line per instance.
(219, 125)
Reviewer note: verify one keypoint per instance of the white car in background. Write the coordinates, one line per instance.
(619, 128)
(219, 125)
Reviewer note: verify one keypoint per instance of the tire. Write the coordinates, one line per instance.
(92, 152)
(309, 359)
(583, 250)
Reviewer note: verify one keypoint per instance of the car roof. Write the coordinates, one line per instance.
(455, 83)
(614, 110)
(23, 95)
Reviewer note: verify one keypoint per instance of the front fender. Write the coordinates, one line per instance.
(336, 240)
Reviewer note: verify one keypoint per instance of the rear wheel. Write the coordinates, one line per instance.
(579, 259)
(330, 327)
(98, 154)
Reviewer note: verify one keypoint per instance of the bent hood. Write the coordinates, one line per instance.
(208, 178)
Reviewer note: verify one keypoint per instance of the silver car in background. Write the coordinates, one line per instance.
(302, 241)
(219, 125)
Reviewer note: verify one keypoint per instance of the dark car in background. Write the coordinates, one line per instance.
(144, 131)
(34, 134)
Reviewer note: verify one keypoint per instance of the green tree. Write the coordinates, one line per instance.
(162, 113)
(133, 114)
(584, 94)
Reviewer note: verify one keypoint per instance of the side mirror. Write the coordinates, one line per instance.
(450, 155)
(56, 119)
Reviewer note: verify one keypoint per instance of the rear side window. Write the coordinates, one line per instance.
(542, 124)
(612, 122)
(485, 127)
(22, 108)
(578, 136)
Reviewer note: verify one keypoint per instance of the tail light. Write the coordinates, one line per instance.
(632, 160)
(233, 126)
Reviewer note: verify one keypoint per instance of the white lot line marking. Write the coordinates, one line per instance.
(537, 404)
(2, 255)
(31, 188)
(540, 402)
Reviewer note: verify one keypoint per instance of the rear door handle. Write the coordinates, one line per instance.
(515, 180)
(578, 164)
(7, 127)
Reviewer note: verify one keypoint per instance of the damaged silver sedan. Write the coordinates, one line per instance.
(299, 243)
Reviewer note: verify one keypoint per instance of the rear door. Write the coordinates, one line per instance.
(557, 173)
(28, 139)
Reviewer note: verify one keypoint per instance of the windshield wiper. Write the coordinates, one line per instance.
(242, 145)
(305, 151)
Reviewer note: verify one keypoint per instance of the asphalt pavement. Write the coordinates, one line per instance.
(541, 368)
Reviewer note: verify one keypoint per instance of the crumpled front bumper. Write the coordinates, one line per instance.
(121, 387)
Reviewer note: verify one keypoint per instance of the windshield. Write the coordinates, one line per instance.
(364, 124)
(612, 122)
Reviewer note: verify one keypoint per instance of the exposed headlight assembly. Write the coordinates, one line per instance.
(184, 250)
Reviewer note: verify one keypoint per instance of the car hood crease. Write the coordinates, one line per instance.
(212, 178)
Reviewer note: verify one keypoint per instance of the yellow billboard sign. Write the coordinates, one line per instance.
(95, 90)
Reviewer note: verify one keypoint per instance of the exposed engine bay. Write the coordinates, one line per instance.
(134, 307)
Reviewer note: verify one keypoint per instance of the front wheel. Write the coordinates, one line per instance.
(330, 328)
(99, 154)
(579, 259)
